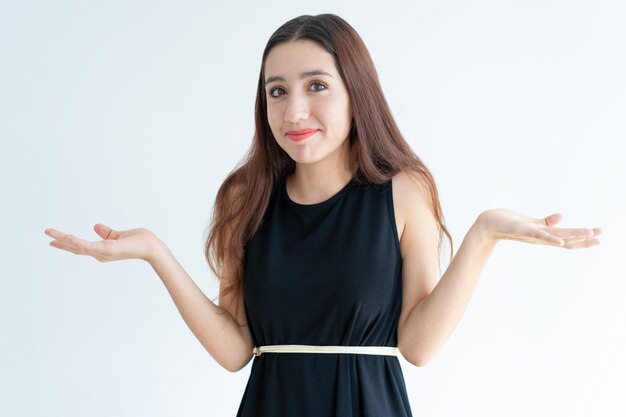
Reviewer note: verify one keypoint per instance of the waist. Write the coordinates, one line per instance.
(364, 350)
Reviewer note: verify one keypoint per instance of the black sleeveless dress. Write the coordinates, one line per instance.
(325, 274)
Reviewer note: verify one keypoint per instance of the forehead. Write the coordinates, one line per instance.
(292, 57)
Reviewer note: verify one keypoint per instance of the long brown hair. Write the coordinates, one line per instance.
(377, 148)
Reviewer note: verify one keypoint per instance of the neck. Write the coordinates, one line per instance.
(318, 181)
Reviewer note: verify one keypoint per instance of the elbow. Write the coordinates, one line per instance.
(414, 360)
(417, 361)
(236, 364)
(232, 356)
(231, 360)
(414, 356)
(230, 367)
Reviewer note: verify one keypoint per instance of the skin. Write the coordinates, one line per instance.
(316, 101)
(431, 307)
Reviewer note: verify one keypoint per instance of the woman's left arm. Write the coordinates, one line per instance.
(433, 318)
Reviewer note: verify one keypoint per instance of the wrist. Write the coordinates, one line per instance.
(155, 250)
(482, 229)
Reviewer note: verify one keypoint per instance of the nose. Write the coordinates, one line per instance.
(297, 109)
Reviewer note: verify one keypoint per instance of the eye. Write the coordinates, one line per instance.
(320, 84)
(321, 87)
(275, 89)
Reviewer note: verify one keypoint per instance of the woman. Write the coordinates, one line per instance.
(333, 224)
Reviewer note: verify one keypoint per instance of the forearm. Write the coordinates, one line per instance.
(214, 327)
(432, 320)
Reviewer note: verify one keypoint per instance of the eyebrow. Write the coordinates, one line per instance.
(302, 75)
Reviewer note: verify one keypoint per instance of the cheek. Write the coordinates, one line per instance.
(336, 121)
(326, 112)
(333, 110)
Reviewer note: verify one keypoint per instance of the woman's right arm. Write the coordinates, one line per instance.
(215, 327)
(227, 342)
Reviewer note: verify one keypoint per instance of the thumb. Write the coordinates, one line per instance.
(105, 232)
(553, 219)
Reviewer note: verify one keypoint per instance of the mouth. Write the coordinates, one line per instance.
(300, 135)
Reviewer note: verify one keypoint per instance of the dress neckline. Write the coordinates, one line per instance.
(326, 202)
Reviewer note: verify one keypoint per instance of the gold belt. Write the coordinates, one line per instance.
(366, 350)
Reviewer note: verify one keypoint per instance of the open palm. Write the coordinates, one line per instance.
(115, 244)
(507, 224)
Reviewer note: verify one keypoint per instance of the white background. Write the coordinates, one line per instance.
(131, 114)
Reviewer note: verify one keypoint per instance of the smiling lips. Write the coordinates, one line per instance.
(298, 135)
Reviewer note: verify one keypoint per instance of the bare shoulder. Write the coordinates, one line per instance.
(411, 202)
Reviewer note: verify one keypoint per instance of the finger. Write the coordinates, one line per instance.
(564, 241)
(575, 240)
(550, 239)
(552, 219)
(571, 233)
(64, 241)
(66, 247)
(77, 245)
(594, 232)
(58, 235)
(580, 241)
(569, 241)
(53, 232)
(582, 244)
(104, 231)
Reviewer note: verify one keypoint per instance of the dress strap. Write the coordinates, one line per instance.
(366, 350)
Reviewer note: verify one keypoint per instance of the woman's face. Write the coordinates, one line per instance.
(303, 90)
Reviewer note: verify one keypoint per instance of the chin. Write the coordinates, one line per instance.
(304, 160)
(303, 154)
